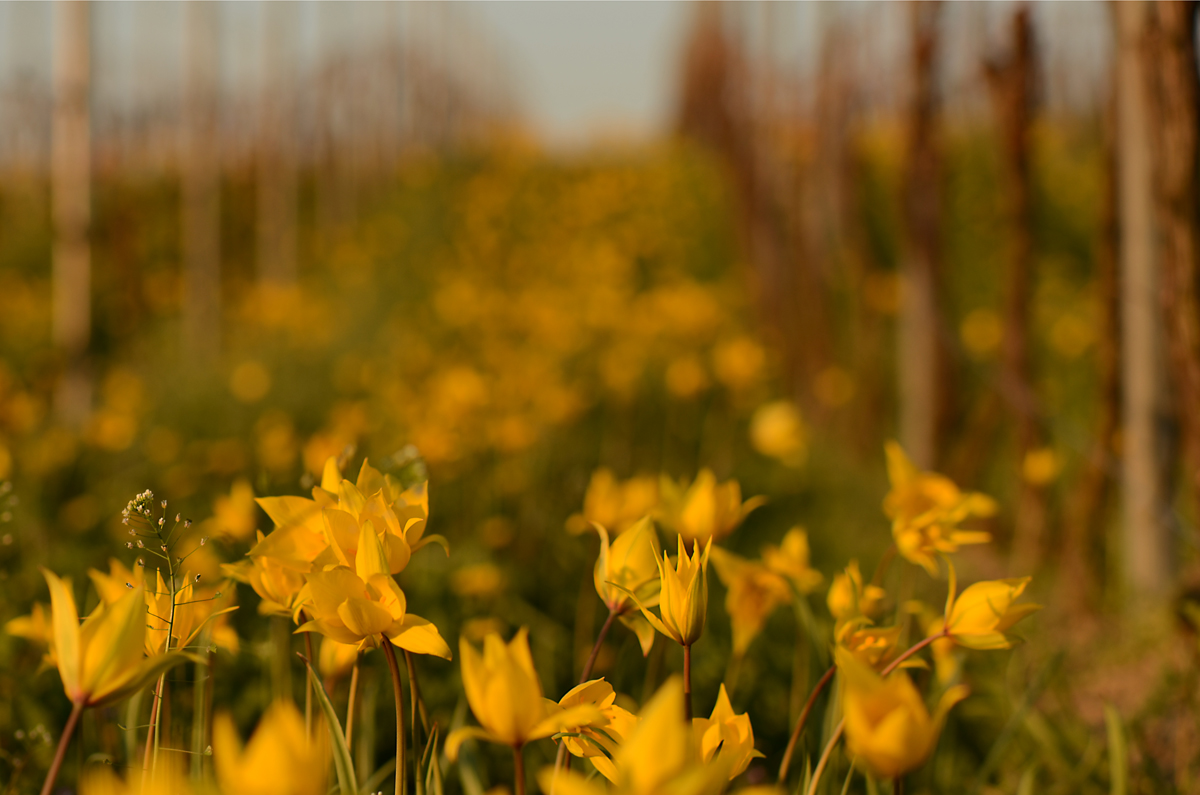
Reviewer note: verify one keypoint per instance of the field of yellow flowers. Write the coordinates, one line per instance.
(506, 493)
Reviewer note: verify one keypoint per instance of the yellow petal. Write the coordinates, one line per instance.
(420, 637)
(66, 633)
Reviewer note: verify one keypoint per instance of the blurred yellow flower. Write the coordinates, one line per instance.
(729, 735)
(705, 509)
(35, 628)
(848, 598)
(753, 592)
(478, 580)
(627, 566)
(873, 646)
(1041, 466)
(686, 377)
(887, 724)
(335, 659)
(791, 559)
(166, 780)
(505, 695)
(778, 431)
(101, 660)
(279, 759)
(601, 738)
(738, 363)
(983, 612)
(661, 756)
(614, 504)
(926, 509)
(235, 516)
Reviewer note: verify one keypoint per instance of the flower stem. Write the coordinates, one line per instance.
(154, 711)
(591, 660)
(518, 771)
(913, 650)
(808, 705)
(828, 752)
(308, 685)
(63, 742)
(562, 760)
(414, 694)
(687, 682)
(397, 687)
(353, 698)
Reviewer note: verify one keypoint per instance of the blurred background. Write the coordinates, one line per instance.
(509, 243)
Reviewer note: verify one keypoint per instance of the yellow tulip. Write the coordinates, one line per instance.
(279, 759)
(614, 504)
(753, 592)
(603, 736)
(683, 595)
(629, 565)
(979, 617)
(887, 724)
(361, 606)
(505, 695)
(101, 660)
(873, 646)
(276, 583)
(726, 734)
(234, 515)
(926, 509)
(661, 756)
(36, 629)
(112, 586)
(848, 598)
(705, 509)
(791, 559)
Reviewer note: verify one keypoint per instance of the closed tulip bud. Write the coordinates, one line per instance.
(726, 734)
(887, 724)
(683, 599)
(505, 695)
(981, 615)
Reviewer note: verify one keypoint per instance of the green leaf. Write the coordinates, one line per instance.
(347, 781)
(1118, 752)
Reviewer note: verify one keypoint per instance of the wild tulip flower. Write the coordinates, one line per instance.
(926, 509)
(363, 606)
(167, 780)
(778, 431)
(279, 759)
(100, 660)
(753, 592)
(979, 617)
(705, 509)
(601, 738)
(887, 724)
(791, 559)
(848, 598)
(873, 646)
(629, 565)
(505, 695)
(661, 756)
(727, 734)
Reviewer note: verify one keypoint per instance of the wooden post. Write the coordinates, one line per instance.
(1173, 95)
(1144, 548)
(201, 175)
(71, 204)
(921, 356)
(275, 186)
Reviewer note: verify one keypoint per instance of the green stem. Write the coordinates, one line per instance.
(398, 688)
(353, 698)
(795, 738)
(308, 685)
(154, 709)
(63, 742)
(687, 683)
(414, 695)
(828, 752)
(518, 771)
